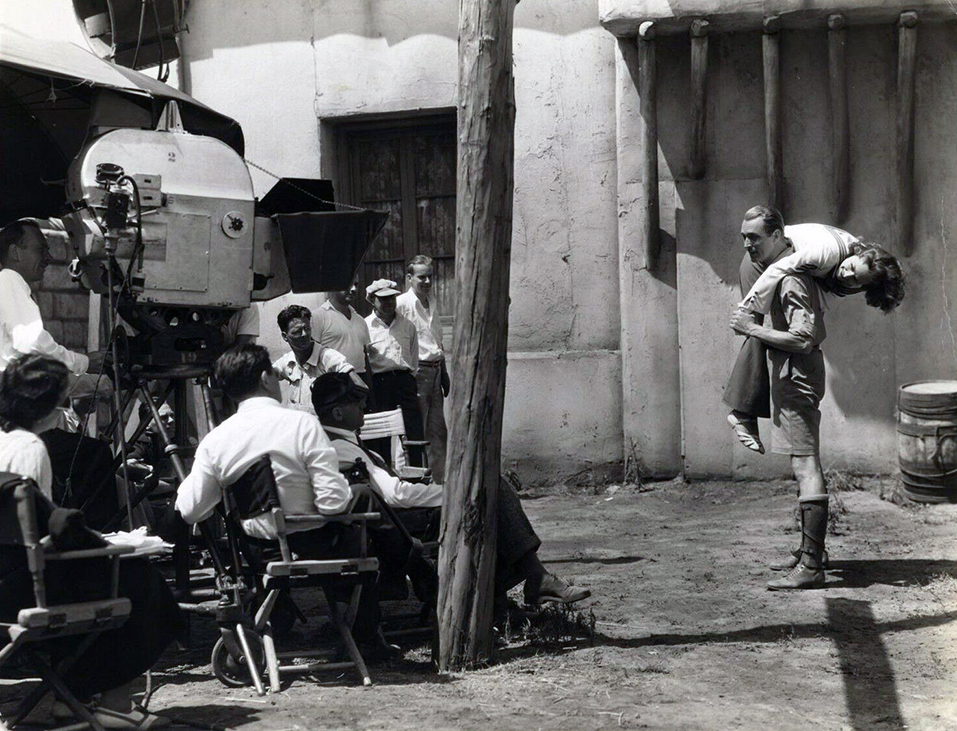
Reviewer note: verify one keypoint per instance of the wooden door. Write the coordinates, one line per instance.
(408, 171)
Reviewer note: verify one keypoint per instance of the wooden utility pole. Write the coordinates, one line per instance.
(483, 239)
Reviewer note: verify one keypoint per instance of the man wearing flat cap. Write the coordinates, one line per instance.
(338, 399)
(394, 359)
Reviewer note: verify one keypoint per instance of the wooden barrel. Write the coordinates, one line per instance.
(927, 440)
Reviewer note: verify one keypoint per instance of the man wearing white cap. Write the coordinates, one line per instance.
(394, 359)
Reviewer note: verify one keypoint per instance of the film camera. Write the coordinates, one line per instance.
(168, 222)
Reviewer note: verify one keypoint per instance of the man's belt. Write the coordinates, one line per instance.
(432, 363)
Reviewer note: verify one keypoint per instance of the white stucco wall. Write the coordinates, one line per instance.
(281, 74)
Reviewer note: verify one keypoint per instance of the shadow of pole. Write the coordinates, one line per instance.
(869, 687)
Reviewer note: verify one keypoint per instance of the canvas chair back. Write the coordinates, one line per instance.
(254, 494)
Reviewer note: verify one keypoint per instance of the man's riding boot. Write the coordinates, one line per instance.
(795, 557)
(809, 571)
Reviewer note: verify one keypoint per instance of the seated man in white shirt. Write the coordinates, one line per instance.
(80, 462)
(305, 361)
(339, 399)
(303, 461)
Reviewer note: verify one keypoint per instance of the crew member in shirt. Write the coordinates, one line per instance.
(432, 376)
(337, 325)
(338, 401)
(81, 465)
(393, 358)
(242, 327)
(306, 359)
(304, 464)
(25, 256)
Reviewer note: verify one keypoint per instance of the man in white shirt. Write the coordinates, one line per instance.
(24, 256)
(394, 358)
(304, 464)
(305, 361)
(80, 463)
(337, 325)
(338, 399)
(432, 377)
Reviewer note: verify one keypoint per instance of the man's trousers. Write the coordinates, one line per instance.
(397, 389)
(428, 379)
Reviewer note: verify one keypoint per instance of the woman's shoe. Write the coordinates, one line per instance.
(747, 432)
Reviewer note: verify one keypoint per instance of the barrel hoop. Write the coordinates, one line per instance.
(930, 486)
(925, 430)
(931, 411)
(927, 474)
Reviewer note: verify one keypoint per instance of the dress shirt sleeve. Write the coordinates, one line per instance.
(201, 491)
(335, 362)
(22, 318)
(331, 492)
(396, 492)
(401, 494)
(413, 346)
(30, 459)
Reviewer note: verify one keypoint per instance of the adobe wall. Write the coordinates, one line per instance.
(868, 354)
(282, 74)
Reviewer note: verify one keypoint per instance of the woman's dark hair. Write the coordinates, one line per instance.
(770, 217)
(292, 312)
(239, 369)
(887, 289)
(31, 387)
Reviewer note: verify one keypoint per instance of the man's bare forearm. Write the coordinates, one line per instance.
(780, 339)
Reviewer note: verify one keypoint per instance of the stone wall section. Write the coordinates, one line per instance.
(64, 306)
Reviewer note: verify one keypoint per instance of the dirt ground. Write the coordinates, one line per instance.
(686, 635)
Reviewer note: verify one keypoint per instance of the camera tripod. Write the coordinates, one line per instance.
(154, 386)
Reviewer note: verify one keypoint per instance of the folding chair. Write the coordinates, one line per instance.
(255, 494)
(23, 515)
(410, 523)
(384, 424)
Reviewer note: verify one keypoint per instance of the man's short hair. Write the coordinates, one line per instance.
(887, 290)
(771, 217)
(239, 370)
(31, 387)
(417, 261)
(292, 312)
(12, 235)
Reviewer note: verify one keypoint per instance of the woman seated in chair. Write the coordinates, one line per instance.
(30, 388)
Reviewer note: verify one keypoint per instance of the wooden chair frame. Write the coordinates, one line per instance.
(289, 572)
(45, 622)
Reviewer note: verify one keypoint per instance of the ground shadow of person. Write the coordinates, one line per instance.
(859, 574)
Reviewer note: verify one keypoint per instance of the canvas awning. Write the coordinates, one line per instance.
(52, 93)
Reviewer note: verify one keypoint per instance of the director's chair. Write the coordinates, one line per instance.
(390, 424)
(255, 494)
(23, 516)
